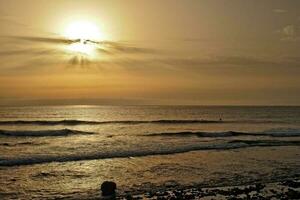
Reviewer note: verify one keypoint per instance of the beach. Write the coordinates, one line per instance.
(150, 152)
(279, 190)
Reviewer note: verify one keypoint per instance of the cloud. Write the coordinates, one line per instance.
(218, 60)
(10, 20)
(293, 59)
(179, 63)
(149, 64)
(119, 47)
(37, 54)
(279, 11)
(30, 51)
(289, 33)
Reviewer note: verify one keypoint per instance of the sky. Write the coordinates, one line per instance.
(171, 52)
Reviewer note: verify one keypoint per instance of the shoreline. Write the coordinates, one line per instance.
(288, 189)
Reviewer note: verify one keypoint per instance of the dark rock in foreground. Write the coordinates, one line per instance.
(108, 188)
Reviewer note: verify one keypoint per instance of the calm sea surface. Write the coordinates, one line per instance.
(68, 151)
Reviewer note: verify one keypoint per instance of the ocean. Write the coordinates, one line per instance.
(66, 152)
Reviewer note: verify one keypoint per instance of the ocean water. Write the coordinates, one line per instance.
(66, 152)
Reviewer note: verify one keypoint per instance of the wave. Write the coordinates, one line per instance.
(66, 132)
(266, 142)
(42, 133)
(83, 122)
(13, 144)
(236, 144)
(131, 122)
(294, 133)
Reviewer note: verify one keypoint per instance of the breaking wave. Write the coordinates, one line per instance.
(129, 122)
(82, 122)
(235, 144)
(42, 133)
(9, 144)
(270, 133)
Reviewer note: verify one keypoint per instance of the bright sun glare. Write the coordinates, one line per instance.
(83, 30)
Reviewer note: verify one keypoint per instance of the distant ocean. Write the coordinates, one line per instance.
(57, 152)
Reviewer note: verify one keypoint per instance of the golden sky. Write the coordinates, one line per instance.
(204, 52)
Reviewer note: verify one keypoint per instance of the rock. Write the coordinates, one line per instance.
(291, 183)
(173, 198)
(108, 188)
(259, 187)
(189, 195)
(293, 194)
(129, 197)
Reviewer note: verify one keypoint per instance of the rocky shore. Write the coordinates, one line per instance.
(289, 189)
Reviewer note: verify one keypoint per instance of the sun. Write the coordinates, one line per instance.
(83, 30)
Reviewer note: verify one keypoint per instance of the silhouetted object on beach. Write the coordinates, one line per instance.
(108, 188)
